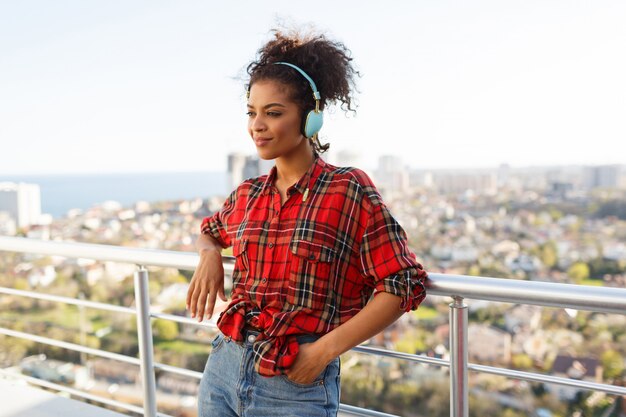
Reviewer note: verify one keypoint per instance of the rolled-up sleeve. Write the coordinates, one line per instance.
(216, 225)
(386, 260)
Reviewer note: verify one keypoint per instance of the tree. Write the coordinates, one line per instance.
(612, 364)
(473, 270)
(165, 329)
(522, 361)
(578, 272)
(549, 254)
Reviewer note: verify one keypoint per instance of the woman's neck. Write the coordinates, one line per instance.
(289, 169)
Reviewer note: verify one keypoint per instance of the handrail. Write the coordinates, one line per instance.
(548, 294)
(139, 256)
(598, 299)
(540, 293)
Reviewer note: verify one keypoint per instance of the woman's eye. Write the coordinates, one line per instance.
(270, 114)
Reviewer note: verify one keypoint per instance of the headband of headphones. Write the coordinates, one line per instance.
(316, 94)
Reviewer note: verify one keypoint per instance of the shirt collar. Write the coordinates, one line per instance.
(306, 181)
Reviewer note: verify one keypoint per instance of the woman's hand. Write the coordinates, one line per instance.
(308, 364)
(207, 282)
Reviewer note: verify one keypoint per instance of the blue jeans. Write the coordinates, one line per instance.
(230, 386)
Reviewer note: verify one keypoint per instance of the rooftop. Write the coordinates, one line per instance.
(19, 399)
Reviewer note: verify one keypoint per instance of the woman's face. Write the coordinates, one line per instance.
(274, 120)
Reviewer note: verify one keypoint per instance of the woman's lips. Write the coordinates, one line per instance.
(261, 141)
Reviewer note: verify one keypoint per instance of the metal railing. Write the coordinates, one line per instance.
(459, 287)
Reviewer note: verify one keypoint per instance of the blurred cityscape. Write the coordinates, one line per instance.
(561, 224)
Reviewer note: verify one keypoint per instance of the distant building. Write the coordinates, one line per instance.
(22, 202)
(523, 262)
(602, 176)
(584, 369)
(479, 183)
(43, 276)
(236, 165)
(241, 167)
(464, 250)
(348, 158)
(392, 176)
(503, 175)
(8, 225)
(113, 371)
(487, 344)
(560, 189)
(52, 370)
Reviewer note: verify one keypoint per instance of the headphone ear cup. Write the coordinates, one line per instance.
(312, 123)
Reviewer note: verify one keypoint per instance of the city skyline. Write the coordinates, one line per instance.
(145, 87)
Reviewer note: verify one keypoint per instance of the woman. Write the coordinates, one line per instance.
(312, 243)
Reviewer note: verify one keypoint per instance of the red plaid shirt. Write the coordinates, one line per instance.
(312, 264)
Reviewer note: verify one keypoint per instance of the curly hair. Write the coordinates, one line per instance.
(327, 62)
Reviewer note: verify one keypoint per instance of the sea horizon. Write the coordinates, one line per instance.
(63, 192)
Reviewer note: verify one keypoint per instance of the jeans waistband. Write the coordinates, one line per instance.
(250, 336)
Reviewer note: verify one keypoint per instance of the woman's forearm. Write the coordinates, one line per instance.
(207, 242)
(379, 313)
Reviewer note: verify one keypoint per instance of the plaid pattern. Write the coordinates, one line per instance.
(309, 266)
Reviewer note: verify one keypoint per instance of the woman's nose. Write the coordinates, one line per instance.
(257, 124)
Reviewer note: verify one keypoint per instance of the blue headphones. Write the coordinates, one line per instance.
(313, 120)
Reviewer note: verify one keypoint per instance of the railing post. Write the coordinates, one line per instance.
(144, 334)
(459, 404)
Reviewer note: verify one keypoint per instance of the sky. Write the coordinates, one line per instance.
(138, 86)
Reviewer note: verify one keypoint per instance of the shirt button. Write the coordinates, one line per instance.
(271, 245)
(312, 257)
(264, 280)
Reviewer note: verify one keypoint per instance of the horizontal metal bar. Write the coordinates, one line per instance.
(549, 294)
(69, 346)
(357, 411)
(78, 393)
(184, 320)
(581, 297)
(102, 306)
(155, 257)
(549, 379)
(401, 355)
(97, 352)
(67, 300)
(178, 371)
(529, 376)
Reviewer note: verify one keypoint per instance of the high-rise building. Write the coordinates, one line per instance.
(236, 166)
(459, 182)
(8, 226)
(602, 176)
(348, 158)
(22, 202)
(241, 167)
(392, 176)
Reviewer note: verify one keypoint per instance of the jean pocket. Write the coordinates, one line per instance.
(316, 383)
(217, 342)
(328, 374)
